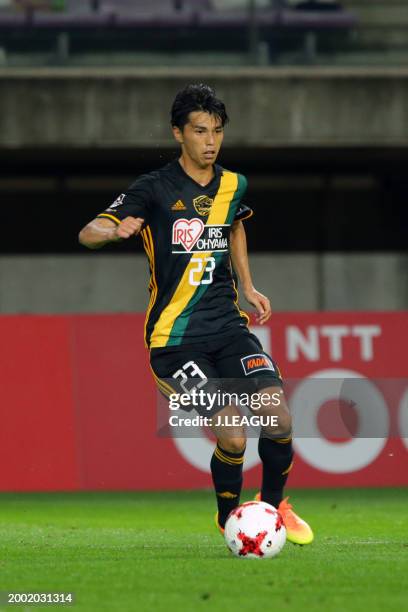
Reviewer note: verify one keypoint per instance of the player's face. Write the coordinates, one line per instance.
(201, 138)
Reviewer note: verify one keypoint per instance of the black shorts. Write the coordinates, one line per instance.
(235, 363)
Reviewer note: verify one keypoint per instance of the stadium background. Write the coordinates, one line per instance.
(317, 99)
(92, 500)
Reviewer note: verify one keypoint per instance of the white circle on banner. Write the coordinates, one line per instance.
(198, 451)
(326, 456)
(403, 418)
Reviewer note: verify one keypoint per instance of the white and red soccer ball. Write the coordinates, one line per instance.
(255, 530)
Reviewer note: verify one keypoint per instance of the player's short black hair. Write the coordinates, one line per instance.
(196, 97)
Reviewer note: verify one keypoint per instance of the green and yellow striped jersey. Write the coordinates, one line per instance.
(186, 239)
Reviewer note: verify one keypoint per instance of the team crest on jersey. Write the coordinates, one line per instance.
(202, 205)
(255, 363)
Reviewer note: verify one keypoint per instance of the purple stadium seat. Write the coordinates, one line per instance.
(280, 17)
(323, 20)
(132, 7)
(40, 14)
(236, 18)
(136, 13)
(77, 14)
(78, 7)
(198, 5)
(165, 14)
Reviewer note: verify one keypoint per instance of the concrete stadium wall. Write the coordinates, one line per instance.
(268, 107)
(96, 282)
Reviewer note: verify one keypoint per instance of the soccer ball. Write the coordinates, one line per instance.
(255, 530)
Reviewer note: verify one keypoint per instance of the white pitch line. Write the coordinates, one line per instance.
(352, 542)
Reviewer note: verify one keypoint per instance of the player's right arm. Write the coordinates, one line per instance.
(123, 218)
(101, 231)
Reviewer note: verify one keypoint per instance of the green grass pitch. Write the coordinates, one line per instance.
(161, 552)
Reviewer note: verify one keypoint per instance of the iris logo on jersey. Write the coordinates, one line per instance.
(187, 232)
(255, 363)
(195, 237)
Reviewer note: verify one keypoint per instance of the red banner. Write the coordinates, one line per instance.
(79, 403)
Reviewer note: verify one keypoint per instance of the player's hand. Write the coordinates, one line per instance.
(261, 303)
(130, 226)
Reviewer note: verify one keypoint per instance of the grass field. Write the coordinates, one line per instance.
(160, 551)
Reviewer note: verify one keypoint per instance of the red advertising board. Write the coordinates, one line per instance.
(78, 403)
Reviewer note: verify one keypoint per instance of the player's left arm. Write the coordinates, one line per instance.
(239, 258)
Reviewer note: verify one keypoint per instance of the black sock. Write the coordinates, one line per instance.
(277, 461)
(226, 470)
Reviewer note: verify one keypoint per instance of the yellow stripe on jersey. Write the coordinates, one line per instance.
(149, 254)
(184, 291)
(241, 312)
(149, 248)
(165, 392)
(162, 384)
(111, 217)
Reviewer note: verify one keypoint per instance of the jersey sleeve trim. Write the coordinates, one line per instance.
(247, 216)
(112, 217)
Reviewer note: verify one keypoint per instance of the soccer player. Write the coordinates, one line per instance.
(189, 214)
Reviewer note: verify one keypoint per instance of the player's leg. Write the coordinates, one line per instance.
(227, 462)
(176, 370)
(276, 453)
(246, 359)
(249, 368)
(275, 442)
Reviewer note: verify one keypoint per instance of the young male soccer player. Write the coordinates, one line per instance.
(189, 214)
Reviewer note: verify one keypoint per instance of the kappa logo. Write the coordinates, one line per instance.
(187, 232)
(179, 205)
(203, 204)
(255, 363)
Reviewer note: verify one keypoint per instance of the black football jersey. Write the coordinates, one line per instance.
(186, 239)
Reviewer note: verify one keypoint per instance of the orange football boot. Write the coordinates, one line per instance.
(297, 530)
(220, 529)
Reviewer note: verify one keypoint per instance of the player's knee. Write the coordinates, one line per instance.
(281, 426)
(284, 423)
(234, 445)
